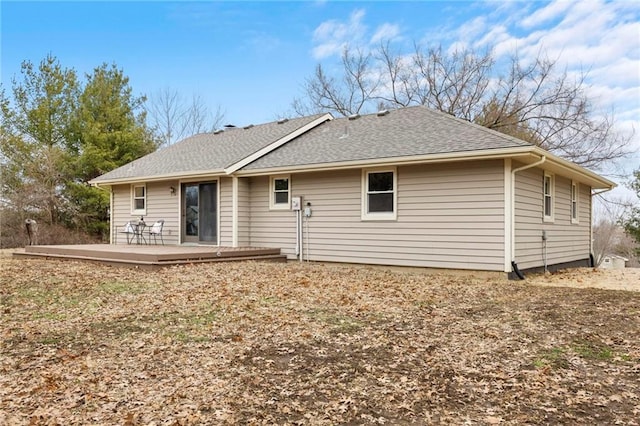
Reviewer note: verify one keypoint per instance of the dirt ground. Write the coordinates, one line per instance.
(627, 279)
(292, 344)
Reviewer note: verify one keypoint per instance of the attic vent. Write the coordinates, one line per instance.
(248, 127)
(283, 120)
(354, 116)
(383, 113)
(217, 132)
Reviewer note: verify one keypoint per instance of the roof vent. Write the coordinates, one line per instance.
(248, 127)
(283, 120)
(345, 134)
(217, 132)
(383, 113)
(354, 116)
(229, 126)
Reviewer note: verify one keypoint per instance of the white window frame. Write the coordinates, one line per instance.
(366, 215)
(272, 193)
(551, 195)
(134, 210)
(574, 207)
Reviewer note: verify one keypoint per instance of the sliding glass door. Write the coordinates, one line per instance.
(200, 213)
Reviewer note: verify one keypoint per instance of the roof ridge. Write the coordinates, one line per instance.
(254, 126)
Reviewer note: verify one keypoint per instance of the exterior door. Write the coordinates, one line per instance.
(200, 213)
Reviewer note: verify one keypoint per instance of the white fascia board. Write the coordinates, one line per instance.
(267, 149)
(521, 153)
(157, 178)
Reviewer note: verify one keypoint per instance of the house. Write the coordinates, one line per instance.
(407, 187)
(612, 261)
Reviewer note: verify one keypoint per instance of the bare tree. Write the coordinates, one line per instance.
(399, 87)
(175, 117)
(533, 101)
(348, 94)
(556, 112)
(454, 83)
(166, 111)
(200, 119)
(609, 236)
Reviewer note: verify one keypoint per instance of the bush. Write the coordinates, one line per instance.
(13, 232)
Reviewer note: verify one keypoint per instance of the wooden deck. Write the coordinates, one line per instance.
(151, 256)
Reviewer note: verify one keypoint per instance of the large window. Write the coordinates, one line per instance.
(379, 195)
(280, 193)
(574, 202)
(548, 188)
(139, 199)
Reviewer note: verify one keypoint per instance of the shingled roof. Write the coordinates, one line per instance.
(412, 131)
(322, 142)
(209, 152)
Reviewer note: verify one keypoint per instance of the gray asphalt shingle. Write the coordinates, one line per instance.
(403, 132)
(207, 151)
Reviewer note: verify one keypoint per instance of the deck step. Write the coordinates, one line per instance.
(128, 256)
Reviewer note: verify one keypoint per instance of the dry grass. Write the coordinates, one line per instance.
(254, 343)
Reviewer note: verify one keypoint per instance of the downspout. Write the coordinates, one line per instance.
(111, 230)
(234, 211)
(514, 265)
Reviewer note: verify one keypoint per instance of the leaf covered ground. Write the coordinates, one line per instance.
(268, 343)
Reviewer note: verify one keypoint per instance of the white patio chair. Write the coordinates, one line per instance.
(129, 230)
(155, 231)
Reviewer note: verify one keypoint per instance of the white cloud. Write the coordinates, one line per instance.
(385, 32)
(472, 29)
(548, 13)
(332, 36)
(596, 37)
(495, 36)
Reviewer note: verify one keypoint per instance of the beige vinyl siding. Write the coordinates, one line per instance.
(225, 210)
(584, 211)
(121, 212)
(449, 216)
(269, 228)
(161, 204)
(244, 211)
(566, 242)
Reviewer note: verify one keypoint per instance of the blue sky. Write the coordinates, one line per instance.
(251, 58)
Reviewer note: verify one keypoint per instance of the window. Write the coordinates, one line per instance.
(379, 195)
(280, 192)
(574, 202)
(139, 199)
(548, 198)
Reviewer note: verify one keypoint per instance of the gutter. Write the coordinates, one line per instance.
(182, 176)
(584, 173)
(491, 154)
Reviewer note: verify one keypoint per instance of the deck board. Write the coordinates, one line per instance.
(150, 255)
